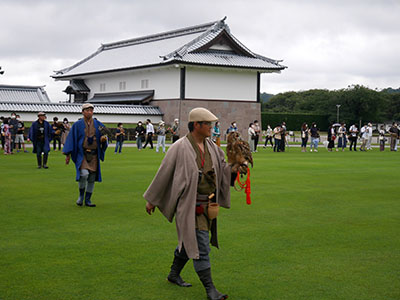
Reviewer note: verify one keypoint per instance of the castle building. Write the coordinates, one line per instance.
(175, 71)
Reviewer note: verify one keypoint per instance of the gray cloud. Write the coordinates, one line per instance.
(326, 44)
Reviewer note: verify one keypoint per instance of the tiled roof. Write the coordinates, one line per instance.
(180, 46)
(78, 85)
(132, 97)
(219, 58)
(20, 93)
(77, 108)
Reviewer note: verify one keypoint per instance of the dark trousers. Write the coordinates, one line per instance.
(203, 242)
(382, 145)
(119, 146)
(13, 146)
(277, 147)
(149, 140)
(283, 143)
(392, 143)
(353, 141)
(3, 140)
(175, 138)
(40, 148)
(57, 139)
(256, 138)
(304, 142)
(268, 138)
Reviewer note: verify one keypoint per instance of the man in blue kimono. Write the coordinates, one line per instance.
(86, 145)
(41, 134)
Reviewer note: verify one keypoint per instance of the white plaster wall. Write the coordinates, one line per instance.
(164, 81)
(207, 83)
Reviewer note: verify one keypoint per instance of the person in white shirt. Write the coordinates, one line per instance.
(342, 136)
(257, 130)
(278, 138)
(382, 138)
(364, 137)
(268, 137)
(149, 133)
(369, 136)
(252, 137)
(353, 136)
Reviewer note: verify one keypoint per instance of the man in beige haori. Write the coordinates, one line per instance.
(192, 178)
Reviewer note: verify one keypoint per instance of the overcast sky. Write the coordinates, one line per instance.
(325, 44)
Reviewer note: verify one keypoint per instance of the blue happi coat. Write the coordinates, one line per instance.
(48, 135)
(74, 146)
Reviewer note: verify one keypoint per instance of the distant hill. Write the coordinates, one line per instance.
(264, 97)
(391, 91)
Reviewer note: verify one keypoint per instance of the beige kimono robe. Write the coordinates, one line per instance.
(174, 189)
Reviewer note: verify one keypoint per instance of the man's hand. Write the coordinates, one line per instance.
(103, 139)
(150, 208)
(67, 159)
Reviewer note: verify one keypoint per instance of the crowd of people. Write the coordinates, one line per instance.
(12, 134)
(338, 137)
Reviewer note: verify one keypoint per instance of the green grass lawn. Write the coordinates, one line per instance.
(321, 226)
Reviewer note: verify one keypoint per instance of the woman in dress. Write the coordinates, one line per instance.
(304, 137)
(331, 138)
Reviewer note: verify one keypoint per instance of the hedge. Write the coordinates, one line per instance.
(294, 121)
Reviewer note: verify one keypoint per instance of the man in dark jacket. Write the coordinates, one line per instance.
(41, 134)
(86, 146)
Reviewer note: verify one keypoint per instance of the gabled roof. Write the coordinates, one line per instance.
(190, 45)
(23, 93)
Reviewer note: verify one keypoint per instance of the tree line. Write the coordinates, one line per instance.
(357, 104)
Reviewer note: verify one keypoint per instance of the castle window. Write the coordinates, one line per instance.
(145, 84)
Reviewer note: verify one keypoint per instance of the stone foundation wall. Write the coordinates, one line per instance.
(242, 112)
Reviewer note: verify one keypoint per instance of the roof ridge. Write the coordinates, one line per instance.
(140, 40)
(62, 71)
(158, 36)
(21, 86)
(219, 25)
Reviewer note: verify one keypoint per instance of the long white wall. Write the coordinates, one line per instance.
(220, 84)
(131, 119)
(164, 81)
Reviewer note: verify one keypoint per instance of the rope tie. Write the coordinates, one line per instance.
(245, 185)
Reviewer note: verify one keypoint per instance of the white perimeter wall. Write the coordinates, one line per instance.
(164, 82)
(31, 117)
(220, 84)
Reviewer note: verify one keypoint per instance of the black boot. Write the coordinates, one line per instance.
(212, 292)
(176, 269)
(81, 196)
(39, 161)
(45, 156)
(87, 200)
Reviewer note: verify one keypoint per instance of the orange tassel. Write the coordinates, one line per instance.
(245, 185)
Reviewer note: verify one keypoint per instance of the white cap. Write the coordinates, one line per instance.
(86, 106)
(200, 114)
